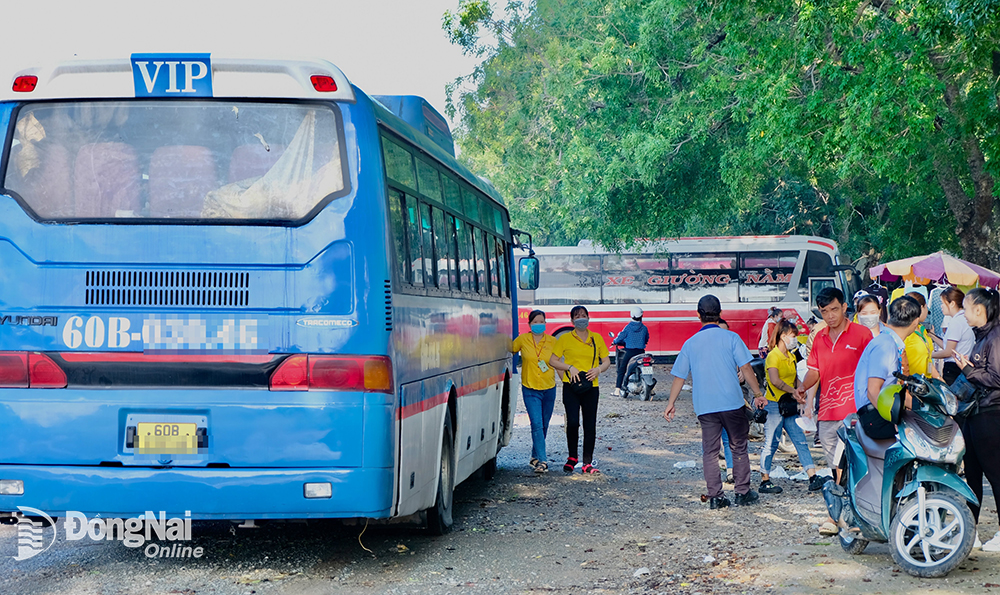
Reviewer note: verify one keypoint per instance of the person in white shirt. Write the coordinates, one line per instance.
(960, 338)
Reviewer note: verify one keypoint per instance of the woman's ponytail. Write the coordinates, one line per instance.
(988, 299)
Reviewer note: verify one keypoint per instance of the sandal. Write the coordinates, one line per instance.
(533, 463)
(570, 464)
(589, 469)
(542, 467)
(829, 529)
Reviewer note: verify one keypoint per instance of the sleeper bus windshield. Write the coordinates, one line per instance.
(203, 160)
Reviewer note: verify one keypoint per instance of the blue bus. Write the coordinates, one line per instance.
(243, 289)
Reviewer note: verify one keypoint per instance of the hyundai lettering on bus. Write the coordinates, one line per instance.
(244, 289)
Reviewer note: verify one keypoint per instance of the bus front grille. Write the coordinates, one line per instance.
(220, 289)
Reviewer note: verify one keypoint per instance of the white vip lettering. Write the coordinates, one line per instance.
(190, 78)
(144, 71)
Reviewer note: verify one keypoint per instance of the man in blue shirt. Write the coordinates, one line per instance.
(882, 357)
(711, 357)
(634, 338)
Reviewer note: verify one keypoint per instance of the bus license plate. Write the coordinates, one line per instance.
(167, 438)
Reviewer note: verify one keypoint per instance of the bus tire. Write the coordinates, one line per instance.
(439, 517)
(490, 469)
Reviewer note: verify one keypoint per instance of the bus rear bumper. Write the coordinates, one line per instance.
(217, 493)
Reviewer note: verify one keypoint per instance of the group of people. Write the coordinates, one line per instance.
(848, 363)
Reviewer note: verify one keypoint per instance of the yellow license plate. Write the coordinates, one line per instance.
(167, 438)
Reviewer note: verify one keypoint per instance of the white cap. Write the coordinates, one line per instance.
(636, 312)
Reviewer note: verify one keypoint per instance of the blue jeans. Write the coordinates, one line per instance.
(726, 450)
(772, 437)
(539, 404)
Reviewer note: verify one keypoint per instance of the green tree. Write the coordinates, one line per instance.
(872, 123)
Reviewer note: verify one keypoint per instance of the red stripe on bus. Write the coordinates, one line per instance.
(824, 244)
(442, 398)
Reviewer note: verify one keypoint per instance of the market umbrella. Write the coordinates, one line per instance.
(936, 268)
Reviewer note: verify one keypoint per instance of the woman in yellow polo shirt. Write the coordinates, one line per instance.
(918, 346)
(538, 384)
(581, 354)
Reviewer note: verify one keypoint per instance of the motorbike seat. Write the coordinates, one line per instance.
(873, 448)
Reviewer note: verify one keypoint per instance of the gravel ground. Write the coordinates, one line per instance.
(638, 528)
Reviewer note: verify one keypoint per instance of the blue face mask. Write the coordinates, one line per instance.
(538, 328)
(581, 323)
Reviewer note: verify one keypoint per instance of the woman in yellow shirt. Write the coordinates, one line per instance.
(918, 346)
(781, 381)
(580, 354)
(538, 384)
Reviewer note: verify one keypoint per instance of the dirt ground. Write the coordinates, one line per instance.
(640, 527)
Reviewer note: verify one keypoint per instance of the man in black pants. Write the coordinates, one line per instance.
(882, 357)
(634, 338)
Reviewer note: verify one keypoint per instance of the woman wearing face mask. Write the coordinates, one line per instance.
(960, 337)
(982, 429)
(581, 355)
(870, 314)
(781, 381)
(538, 384)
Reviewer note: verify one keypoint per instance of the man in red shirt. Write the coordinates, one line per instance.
(832, 362)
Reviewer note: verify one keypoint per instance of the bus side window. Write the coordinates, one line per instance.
(480, 257)
(451, 237)
(429, 181)
(441, 243)
(495, 275)
(427, 233)
(504, 270)
(398, 163)
(467, 277)
(398, 230)
(415, 260)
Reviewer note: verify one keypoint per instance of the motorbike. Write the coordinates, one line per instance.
(906, 491)
(639, 379)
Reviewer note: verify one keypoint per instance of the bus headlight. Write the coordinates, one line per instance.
(11, 487)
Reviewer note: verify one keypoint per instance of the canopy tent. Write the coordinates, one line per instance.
(936, 268)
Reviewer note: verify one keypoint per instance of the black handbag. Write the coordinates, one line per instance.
(580, 384)
(787, 405)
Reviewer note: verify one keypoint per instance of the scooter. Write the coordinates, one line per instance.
(907, 491)
(639, 378)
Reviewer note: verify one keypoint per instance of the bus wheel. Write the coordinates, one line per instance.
(439, 518)
(490, 469)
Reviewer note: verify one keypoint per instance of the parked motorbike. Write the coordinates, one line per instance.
(907, 491)
(639, 379)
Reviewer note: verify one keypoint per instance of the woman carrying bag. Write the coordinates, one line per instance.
(783, 408)
(581, 355)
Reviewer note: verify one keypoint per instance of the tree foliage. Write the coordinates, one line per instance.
(874, 123)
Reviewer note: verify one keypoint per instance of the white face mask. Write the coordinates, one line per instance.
(791, 342)
(869, 320)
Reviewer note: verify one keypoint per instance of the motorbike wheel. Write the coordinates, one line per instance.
(952, 533)
(852, 545)
(647, 392)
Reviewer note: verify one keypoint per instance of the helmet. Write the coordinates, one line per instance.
(890, 403)
(860, 294)
(636, 312)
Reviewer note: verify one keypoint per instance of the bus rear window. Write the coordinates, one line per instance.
(204, 160)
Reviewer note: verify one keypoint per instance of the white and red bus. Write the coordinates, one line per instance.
(749, 275)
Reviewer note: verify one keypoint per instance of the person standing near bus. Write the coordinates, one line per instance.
(538, 384)
(584, 356)
(711, 357)
(960, 338)
(773, 316)
(634, 338)
(919, 345)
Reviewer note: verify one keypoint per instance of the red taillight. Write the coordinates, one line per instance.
(44, 373)
(14, 370)
(30, 370)
(322, 83)
(334, 372)
(25, 84)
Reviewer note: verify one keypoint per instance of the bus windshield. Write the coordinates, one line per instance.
(161, 159)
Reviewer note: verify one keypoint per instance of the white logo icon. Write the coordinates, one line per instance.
(31, 533)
